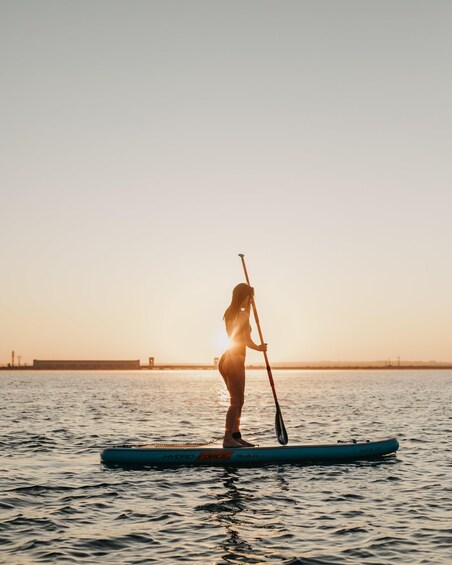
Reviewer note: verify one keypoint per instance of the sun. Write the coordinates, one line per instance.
(221, 341)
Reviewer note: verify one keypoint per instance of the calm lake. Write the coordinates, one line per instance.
(58, 503)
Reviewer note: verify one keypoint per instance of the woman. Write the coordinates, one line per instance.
(232, 362)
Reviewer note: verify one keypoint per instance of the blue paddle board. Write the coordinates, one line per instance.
(138, 456)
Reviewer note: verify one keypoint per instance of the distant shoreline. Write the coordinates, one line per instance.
(276, 367)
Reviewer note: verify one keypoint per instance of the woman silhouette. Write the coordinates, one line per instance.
(232, 362)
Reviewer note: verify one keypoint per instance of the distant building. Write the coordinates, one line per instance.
(82, 365)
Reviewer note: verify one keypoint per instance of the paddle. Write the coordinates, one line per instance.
(281, 433)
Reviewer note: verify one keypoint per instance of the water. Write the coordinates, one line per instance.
(58, 503)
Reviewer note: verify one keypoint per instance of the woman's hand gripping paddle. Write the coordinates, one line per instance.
(281, 433)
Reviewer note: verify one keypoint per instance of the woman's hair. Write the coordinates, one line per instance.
(240, 292)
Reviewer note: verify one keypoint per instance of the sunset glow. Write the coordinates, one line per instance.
(138, 162)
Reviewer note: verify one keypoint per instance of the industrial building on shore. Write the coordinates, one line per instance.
(104, 365)
(85, 365)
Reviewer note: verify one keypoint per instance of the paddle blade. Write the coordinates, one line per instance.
(281, 433)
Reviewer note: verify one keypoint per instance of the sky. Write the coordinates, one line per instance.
(144, 144)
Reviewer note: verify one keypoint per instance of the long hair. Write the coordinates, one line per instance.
(240, 292)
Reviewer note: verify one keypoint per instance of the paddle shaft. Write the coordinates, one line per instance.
(261, 337)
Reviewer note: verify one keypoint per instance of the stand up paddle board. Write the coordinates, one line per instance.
(137, 456)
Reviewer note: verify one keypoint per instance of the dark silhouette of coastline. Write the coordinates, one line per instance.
(135, 365)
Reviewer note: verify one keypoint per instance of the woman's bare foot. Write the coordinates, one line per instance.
(246, 443)
(230, 442)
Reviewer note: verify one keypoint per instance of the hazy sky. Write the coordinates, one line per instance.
(145, 143)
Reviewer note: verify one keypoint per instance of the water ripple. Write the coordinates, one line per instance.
(59, 504)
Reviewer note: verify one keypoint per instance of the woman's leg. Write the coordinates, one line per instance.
(233, 372)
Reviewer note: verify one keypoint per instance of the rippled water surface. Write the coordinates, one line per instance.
(58, 503)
